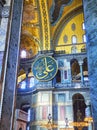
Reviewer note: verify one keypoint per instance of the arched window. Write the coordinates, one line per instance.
(73, 49)
(74, 39)
(23, 54)
(84, 38)
(83, 26)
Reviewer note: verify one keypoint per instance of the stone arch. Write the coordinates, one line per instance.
(64, 22)
(79, 107)
(75, 69)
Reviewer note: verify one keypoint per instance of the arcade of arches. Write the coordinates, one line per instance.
(48, 65)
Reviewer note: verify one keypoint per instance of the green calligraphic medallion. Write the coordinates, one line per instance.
(44, 68)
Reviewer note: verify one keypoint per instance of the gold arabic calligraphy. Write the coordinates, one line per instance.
(47, 69)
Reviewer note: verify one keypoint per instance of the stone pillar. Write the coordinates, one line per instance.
(62, 75)
(69, 72)
(12, 54)
(90, 14)
(81, 71)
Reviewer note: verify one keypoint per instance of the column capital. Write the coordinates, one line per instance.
(80, 62)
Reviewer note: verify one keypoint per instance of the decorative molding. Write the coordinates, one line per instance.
(45, 25)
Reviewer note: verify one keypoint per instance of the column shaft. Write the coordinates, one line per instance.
(90, 15)
(81, 72)
(12, 54)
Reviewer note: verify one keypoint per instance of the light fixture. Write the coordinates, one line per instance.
(80, 124)
(89, 119)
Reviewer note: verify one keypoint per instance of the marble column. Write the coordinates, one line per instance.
(11, 65)
(81, 71)
(90, 15)
(69, 72)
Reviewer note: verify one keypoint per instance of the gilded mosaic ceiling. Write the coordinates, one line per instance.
(42, 21)
(30, 29)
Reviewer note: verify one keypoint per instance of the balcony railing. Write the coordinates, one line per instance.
(76, 84)
(21, 115)
(50, 85)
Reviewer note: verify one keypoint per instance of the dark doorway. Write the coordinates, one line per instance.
(79, 107)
